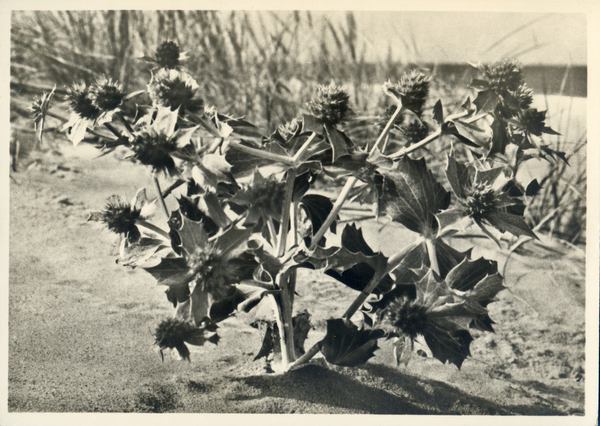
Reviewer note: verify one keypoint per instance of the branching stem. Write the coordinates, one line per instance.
(334, 211)
(161, 200)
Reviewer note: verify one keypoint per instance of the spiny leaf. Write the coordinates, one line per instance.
(410, 195)
(339, 142)
(347, 345)
(486, 100)
(468, 273)
(510, 223)
(449, 345)
(341, 259)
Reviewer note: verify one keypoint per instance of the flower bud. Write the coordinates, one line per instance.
(412, 90)
(331, 105)
(167, 54)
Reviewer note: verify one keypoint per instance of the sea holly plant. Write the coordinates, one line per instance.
(249, 221)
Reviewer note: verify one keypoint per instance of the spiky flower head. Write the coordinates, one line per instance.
(154, 149)
(480, 200)
(81, 102)
(407, 316)
(167, 54)
(106, 94)
(175, 89)
(412, 90)
(504, 75)
(120, 217)
(331, 105)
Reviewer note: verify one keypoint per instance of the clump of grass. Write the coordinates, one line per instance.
(159, 398)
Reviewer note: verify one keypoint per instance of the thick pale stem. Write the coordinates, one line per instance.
(430, 138)
(304, 147)
(283, 307)
(418, 145)
(161, 200)
(153, 228)
(272, 231)
(285, 212)
(334, 211)
(262, 154)
(308, 355)
(431, 251)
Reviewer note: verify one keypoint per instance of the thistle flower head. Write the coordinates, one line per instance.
(167, 54)
(106, 95)
(174, 89)
(120, 217)
(407, 317)
(504, 75)
(154, 149)
(81, 102)
(213, 271)
(480, 200)
(412, 90)
(331, 105)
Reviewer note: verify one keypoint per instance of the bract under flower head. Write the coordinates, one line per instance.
(174, 89)
(532, 121)
(331, 105)
(488, 196)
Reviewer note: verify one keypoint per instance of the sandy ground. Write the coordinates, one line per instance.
(80, 326)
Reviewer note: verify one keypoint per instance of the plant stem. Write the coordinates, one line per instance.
(262, 154)
(392, 263)
(304, 147)
(334, 211)
(430, 243)
(272, 231)
(418, 145)
(160, 196)
(308, 355)
(173, 187)
(153, 228)
(387, 128)
(285, 212)
(282, 306)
